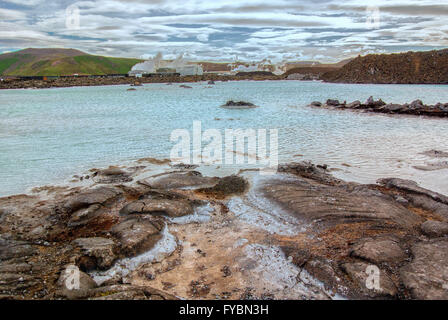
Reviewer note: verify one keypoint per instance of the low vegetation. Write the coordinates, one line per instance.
(59, 62)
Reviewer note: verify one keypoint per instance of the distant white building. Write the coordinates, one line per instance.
(158, 65)
(136, 73)
(190, 70)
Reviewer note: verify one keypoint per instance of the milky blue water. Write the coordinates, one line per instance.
(48, 135)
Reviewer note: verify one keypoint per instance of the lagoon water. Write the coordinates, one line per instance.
(48, 135)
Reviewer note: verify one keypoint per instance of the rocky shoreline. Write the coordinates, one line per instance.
(416, 107)
(87, 81)
(300, 234)
(424, 67)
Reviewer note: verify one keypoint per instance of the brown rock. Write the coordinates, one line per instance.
(68, 284)
(89, 197)
(112, 175)
(322, 270)
(136, 234)
(99, 252)
(427, 275)
(382, 249)
(83, 216)
(412, 187)
(227, 186)
(354, 104)
(10, 249)
(175, 180)
(171, 208)
(336, 204)
(435, 229)
(358, 273)
(418, 196)
(130, 292)
(331, 102)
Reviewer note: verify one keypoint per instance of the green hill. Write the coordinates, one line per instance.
(59, 62)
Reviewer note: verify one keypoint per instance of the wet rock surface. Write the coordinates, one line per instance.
(300, 234)
(112, 175)
(350, 233)
(176, 180)
(325, 203)
(435, 154)
(227, 186)
(88, 198)
(136, 235)
(433, 166)
(170, 208)
(416, 107)
(40, 235)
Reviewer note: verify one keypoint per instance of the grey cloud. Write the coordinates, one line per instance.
(415, 10)
(296, 29)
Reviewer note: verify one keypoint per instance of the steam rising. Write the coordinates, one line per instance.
(153, 64)
(181, 65)
(263, 65)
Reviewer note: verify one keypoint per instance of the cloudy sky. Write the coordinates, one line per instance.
(324, 30)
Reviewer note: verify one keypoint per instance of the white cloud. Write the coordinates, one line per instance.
(25, 2)
(7, 14)
(202, 37)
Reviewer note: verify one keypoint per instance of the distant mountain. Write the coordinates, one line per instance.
(411, 67)
(313, 68)
(58, 62)
(315, 64)
(215, 66)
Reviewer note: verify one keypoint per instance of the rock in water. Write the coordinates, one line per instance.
(316, 104)
(354, 104)
(331, 102)
(435, 154)
(238, 105)
(112, 175)
(417, 104)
